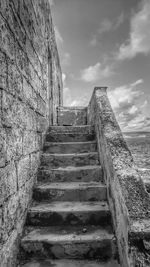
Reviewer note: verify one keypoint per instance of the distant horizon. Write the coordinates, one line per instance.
(136, 132)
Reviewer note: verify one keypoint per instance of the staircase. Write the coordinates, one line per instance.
(69, 221)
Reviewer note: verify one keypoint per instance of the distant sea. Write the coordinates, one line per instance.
(139, 144)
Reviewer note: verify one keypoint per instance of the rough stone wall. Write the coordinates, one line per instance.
(129, 202)
(30, 91)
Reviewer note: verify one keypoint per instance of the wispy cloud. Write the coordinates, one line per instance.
(139, 39)
(59, 38)
(106, 26)
(95, 73)
(129, 112)
(51, 2)
(68, 99)
(65, 59)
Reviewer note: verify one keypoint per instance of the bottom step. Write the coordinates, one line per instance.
(69, 263)
(69, 243)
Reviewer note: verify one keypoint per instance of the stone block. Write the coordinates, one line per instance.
(8, 42)
(41, 123)
(14, 143)
(35, 161)
(25, 194)
(9, 216)
(41, 106)
(29, 94)
(8, 182)
(22, 62)
(3, 70)
(29, 142)
(3, 147)
(8, 253)
(15, 80)
(23, 168)
(13, 111)
(16, 113)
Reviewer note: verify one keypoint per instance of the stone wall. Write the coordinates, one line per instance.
(30, 91)
(129, 201)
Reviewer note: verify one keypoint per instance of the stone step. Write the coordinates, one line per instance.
(84, 129)
(72, 115)
(71, 191)
(69, 263)
(69, 213)
(63, 160)
(70, 147)
(69, 137)
(68, 243)
(71, 174)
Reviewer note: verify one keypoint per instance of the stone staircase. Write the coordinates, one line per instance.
(69, 221)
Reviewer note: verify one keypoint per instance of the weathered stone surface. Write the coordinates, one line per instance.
(72, 116)
(84, 129)
(62, 160)
(70, 147)
(68, 243)
(23, 168)
(9, 251)
(69, 213)
(71, 191)
(69, 263)
(3, 148)
(69, 137)
(74, 209)
(72, 174)
(26, 36)
(8, 182)
(128, 199)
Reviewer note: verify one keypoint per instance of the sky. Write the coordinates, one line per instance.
(106, 43)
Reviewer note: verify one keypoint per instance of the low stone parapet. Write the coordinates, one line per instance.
(129, 201)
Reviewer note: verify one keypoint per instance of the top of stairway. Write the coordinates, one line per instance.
(72, 115)
(72, 108)
(71, 128)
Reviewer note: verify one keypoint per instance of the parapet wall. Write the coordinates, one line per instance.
(30, 91)
(129, 202)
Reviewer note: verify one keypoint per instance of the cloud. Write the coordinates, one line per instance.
(72, 102)
(96, 72)
(65, 59)
(129, 113)
(51, 2)
(119, 21)
(139, 39)
(106, 26)
(59, 38)
(68, 99)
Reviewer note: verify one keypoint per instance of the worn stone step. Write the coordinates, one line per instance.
(69, 137)
(70, 147)
(63, 160)
(92, 173)
(69, 213)
(84, 129)
(68, 243)
(69, 263)
(72, 115)
(70, 191)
